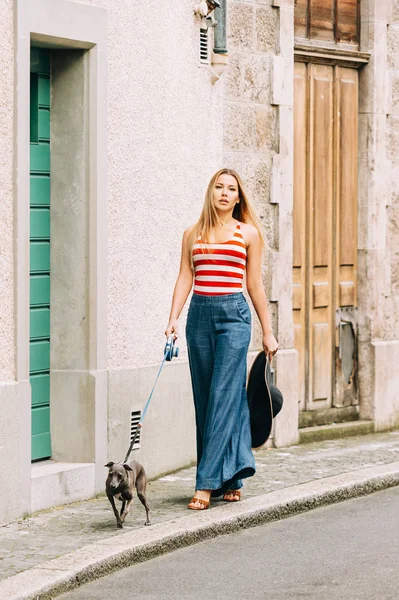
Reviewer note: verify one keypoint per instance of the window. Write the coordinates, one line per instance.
(328, 20)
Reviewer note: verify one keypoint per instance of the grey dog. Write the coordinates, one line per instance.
(121, 481)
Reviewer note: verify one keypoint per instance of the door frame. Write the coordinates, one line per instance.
(312, 53)
(60, 24)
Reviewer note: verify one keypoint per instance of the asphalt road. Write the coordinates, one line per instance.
(348, 551)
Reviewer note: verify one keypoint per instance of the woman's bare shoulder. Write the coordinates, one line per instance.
(189, 230)
(249, 232)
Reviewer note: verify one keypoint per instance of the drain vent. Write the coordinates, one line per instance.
(134, 421)
(204, 54)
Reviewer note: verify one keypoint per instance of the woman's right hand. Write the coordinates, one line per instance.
(172, 328)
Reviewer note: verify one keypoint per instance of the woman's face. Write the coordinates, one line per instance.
(225, 193)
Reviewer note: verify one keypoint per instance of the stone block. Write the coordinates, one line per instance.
(256, 174)
(249, 78)
(394, 180)
(395, 92)
(387, 92)
(282, 87)
(393, 138)
(388, 318)
(239, 132)
(285, 227)
(256, 335)
(395, 273)
(265, 124)
(365, 379)
(286, 139)
(365, 295)
(286, 330)
(288, 3)
(286, 423)
(378, 314)
(386, 384)
(393, 227)
(269, 221)
(366, 89)
(393, 46)
(286, 31)
(257, 79)
(233, 78)
(282, 181)
(241, 26)
(234, 160)
(266, 29)
(395, 11)
(281, 291)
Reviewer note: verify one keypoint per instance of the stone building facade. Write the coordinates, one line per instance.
(137, 122)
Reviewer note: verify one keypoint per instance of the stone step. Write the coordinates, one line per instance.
(334, 431)
(55, 483)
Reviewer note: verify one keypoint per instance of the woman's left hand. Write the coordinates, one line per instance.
(270, 345)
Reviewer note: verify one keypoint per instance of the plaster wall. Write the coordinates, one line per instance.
(164, 143)
(7, 360)
(12, 446)
(165, 122)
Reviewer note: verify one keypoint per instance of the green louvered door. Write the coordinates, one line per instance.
(40, 251)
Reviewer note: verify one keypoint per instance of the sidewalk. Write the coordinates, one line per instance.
(287, 481)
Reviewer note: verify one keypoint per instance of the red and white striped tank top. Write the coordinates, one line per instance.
(219, 268)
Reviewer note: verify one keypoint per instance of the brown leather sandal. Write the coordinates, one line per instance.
(204, 504)
(229, 495)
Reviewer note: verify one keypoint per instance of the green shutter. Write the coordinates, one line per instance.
(40, 252)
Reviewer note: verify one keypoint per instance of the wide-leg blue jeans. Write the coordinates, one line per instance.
(218, 332)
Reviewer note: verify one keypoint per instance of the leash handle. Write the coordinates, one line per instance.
(170, 351)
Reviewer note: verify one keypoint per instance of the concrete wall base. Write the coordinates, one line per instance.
(386, 384)
(168, 434)
(286, 423)
(13, 477)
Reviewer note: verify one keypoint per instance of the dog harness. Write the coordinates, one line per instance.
(219, 268)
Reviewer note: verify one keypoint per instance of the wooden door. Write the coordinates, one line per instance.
(325, 217)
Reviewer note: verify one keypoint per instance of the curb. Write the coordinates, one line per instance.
(49, 579)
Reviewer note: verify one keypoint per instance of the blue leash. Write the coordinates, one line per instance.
(170, 352)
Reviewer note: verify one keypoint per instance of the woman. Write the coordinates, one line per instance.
(225, 243)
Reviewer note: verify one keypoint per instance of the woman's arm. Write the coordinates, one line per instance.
(183, 286)
(255, 287)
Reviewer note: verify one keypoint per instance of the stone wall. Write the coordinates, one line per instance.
(392, 301)
(258, 143)
(258, 127)
(379, 212)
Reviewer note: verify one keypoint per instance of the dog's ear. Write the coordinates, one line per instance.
(109, 465)
(127, 467)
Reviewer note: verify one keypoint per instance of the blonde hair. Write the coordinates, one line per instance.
(209, 218)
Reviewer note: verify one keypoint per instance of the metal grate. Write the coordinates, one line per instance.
(134, 421)
(204, 54)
